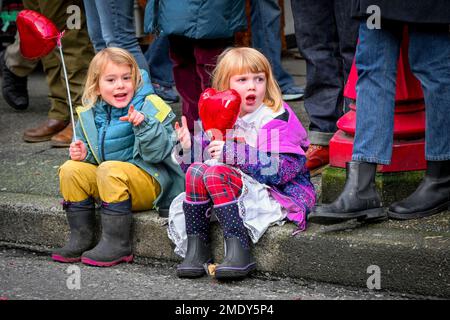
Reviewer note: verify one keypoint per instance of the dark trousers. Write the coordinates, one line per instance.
(326, 37)
(77, 50)
(193, 62)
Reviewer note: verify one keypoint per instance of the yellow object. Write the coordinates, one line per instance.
(111, 181)
(160, 105)
(212, 269)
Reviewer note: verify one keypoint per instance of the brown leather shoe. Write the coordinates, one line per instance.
(45, 131)
(317, 157)
(63, 138)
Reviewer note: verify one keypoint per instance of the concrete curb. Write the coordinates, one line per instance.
(412, 257)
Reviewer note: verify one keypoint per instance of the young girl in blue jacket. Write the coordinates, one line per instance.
(122, 157)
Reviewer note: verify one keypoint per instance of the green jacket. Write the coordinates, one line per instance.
(151, 149)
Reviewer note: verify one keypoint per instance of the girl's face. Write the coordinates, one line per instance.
(252, 89)
(116, 85)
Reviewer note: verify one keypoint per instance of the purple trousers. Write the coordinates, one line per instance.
(193, 63)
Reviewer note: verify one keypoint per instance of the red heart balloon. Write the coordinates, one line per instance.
(38, 35)
(219, 110)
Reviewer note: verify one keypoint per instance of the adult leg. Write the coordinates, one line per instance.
(266, 24)
(348, 36)
(429, 49)
(117, 25)
(77, 55)
(318, 40)
(193, 62)
(94, 25)
(376, 59)
(187, 81)
(15, 70)
(160, 66)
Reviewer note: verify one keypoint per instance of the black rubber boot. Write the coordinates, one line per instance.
(238, 261)
(115, 244)
(431, 197)
(14, 88)
(81, 219)
(359, 199)
(198, 253)
(198, 248)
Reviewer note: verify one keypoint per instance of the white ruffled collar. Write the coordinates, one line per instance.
(249, 125)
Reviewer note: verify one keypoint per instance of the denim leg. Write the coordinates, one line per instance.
(265, 21)
(376, 60)
(117, 25)
(159, 62)
(429, 52)
(318, 41)
(93, 25)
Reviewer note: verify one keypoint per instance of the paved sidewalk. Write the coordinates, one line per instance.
(413, 257)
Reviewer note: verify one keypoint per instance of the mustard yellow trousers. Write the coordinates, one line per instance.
(111, 181)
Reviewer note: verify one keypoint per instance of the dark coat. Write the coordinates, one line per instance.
(195, 19)
(414, 11)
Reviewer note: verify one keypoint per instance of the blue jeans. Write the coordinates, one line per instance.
(266, 35)
(111, 24)
(326, 37)
(158, 59)
(376, 60)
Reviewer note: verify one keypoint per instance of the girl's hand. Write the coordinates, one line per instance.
(215, 149)
(134, 117)
(77, 151)
(183, 134)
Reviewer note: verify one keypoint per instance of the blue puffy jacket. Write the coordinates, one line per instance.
(196, 19)
(147, 146)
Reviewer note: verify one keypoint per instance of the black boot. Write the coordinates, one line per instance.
(238, 261)
(198, 253)
(359, 199)
(431, 197)
(198, 249)
(81, 219)
(115, 244)
(14, 88)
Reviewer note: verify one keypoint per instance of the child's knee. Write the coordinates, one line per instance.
(109, 169)
(69, 170)
(215, 173)
(196, 171)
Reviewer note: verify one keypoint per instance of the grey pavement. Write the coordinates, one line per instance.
(412, 257)
(29, 275)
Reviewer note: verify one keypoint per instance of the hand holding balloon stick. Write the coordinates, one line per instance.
(38, 37)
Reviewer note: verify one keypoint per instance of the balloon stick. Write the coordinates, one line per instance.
(67, 86)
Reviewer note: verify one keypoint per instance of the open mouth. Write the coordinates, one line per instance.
(120, 96)
(250, 99)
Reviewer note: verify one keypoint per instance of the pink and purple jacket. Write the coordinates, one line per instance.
(281, 144)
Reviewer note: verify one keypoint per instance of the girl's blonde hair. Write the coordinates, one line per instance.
(97, 66)
(242, 60)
